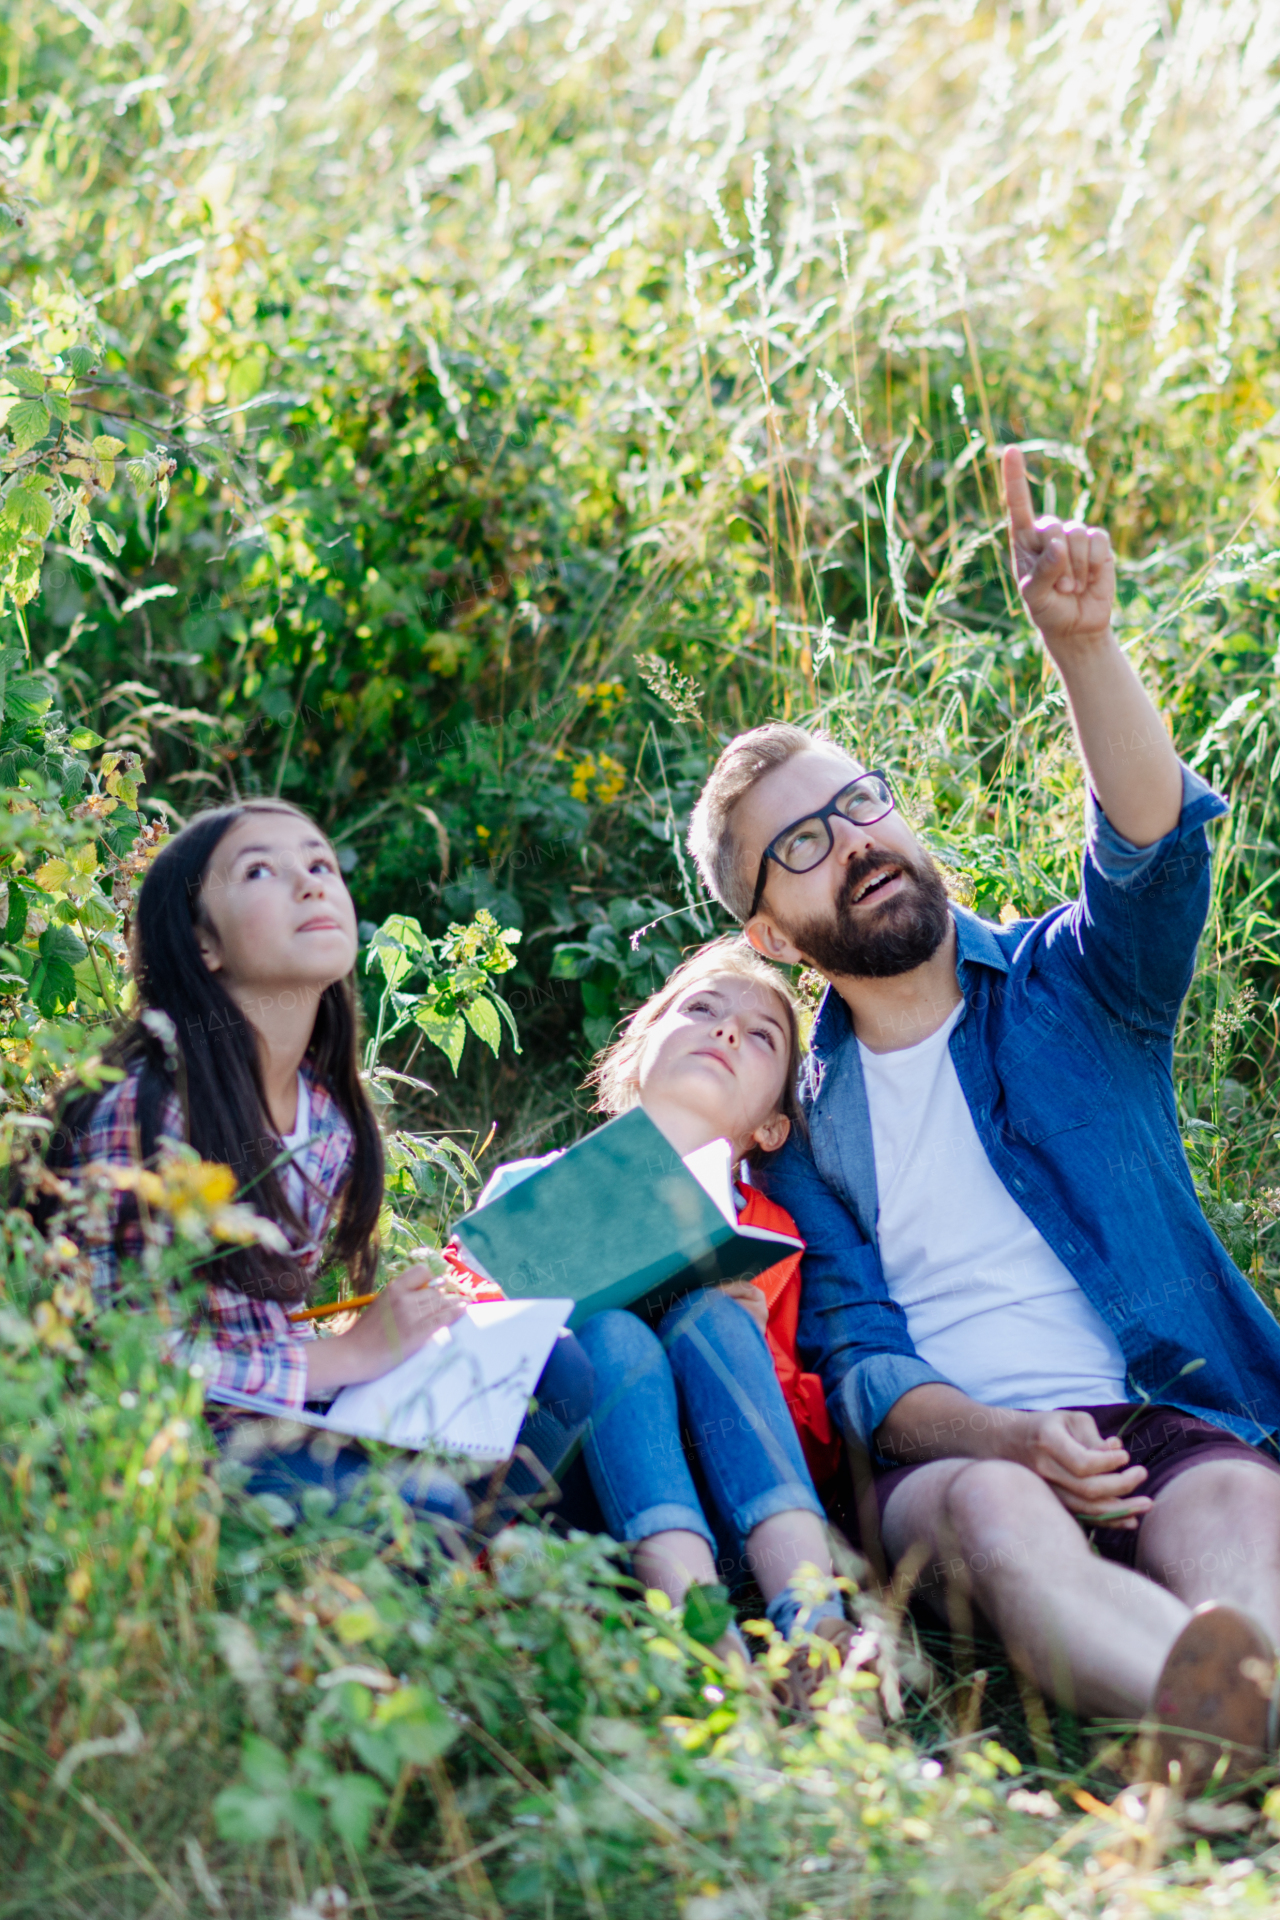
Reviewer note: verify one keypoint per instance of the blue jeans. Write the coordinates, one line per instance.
(690, 1429)
(549, 1434)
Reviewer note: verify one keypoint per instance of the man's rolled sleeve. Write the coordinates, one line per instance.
(1119, 860)
(1131, 937)
(872, 1388)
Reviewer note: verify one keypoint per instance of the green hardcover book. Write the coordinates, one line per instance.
(619, 1220)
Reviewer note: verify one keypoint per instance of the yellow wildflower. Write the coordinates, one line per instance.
(198, 1197)
(601, 771)
(53, 1332)
(72, 1299)
(148, 1186)
(611, 778)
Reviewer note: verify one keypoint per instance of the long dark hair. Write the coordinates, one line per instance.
(211, 1061)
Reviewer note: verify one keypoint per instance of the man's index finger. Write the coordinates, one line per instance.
(1017, 492)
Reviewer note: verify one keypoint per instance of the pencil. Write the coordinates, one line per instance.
(345, 1306)
(335, 1306)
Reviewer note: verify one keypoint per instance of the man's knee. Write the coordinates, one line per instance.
(990, 1511)
(1222, 1494)
(1217, 1523)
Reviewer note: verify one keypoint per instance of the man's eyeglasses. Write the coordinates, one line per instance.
(806, 843)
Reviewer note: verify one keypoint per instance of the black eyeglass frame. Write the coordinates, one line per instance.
(824, 815)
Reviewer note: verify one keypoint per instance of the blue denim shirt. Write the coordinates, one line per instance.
(1065, 1054)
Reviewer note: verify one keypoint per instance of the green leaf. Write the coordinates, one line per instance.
(125, 789)
(707, 1613)
(446, 1031)
(600, 999)
(24, 700)
(358, 1623)
(18, 966)
(422, 1741)
(419, 1727)
(255, 1807)
(571, 960)
(394, 948)
(377, 1752)
(108, 536)
(83, 739)
(482, 1018)
(244, 1815)
(59, 406)
(106, 446)
(52, 985)
(304, 1815)
(25, 379)
(15, 925)
(353, 1799)
(82, 360)
(603, 942)
(96, 911)
(263, 1765)
(59, 943)
(27, 511)
(28, 422)
(26, 575)
(510, 1019)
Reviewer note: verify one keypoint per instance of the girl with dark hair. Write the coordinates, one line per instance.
(245, 1047)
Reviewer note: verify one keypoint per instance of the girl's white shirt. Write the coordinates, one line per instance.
(295, 1185)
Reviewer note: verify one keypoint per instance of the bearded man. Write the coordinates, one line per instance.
(1068, 1394)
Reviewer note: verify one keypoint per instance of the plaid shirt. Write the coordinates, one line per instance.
(249, 1345)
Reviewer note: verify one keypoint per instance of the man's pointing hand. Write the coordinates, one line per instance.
(1065, 572)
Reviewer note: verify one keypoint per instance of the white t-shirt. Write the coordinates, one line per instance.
(987, 1300)
(291, 1176)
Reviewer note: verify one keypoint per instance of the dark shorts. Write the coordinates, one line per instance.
(1163, 1440)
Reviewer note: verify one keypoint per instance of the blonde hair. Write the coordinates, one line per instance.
(615, 1076)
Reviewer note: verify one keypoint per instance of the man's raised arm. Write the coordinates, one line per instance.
(1067, 578)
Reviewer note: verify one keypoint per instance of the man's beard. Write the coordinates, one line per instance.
(879, 942)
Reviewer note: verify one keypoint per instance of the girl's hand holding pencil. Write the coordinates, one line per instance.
(406, 1314)
(434, 1265)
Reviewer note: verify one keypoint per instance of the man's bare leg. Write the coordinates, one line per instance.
(1092, 1635)
(1214, 1534)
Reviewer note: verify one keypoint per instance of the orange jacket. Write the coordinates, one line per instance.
(803, 1393)
(780, 1286)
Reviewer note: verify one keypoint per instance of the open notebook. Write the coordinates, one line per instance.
(465, 1391)
(619, 1220)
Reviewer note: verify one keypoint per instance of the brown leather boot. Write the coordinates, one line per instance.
(1213, 1710)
